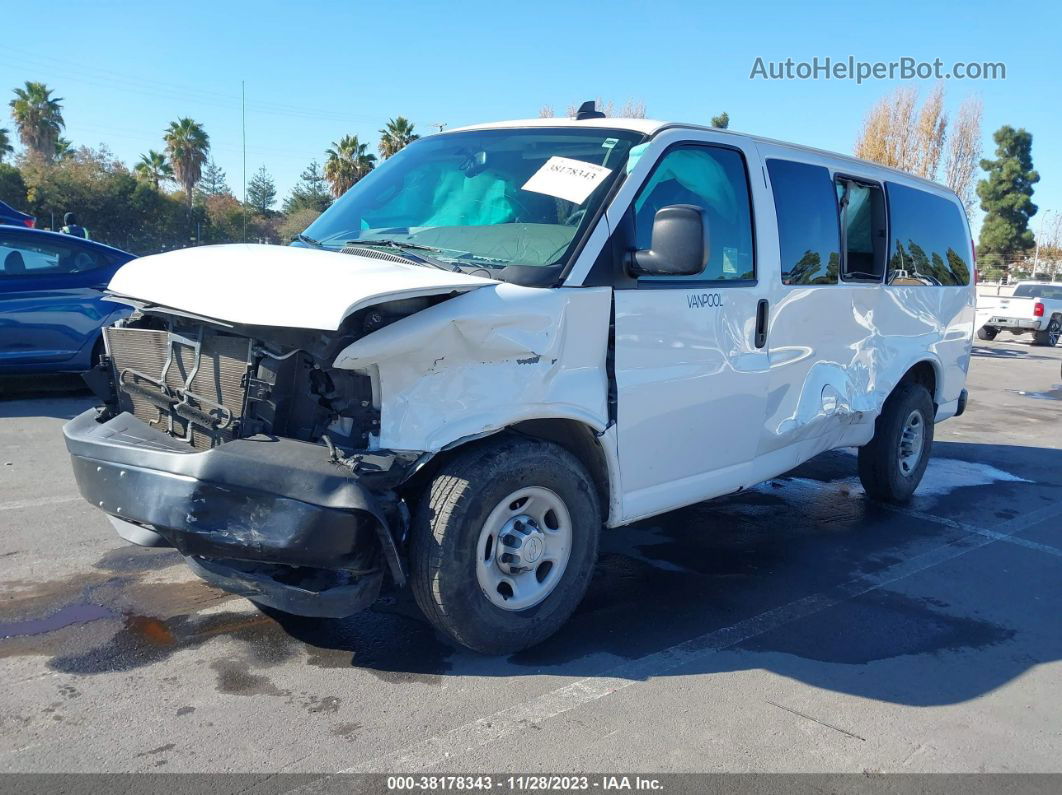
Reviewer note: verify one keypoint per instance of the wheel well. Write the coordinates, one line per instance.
(578, 439)
(925, 374)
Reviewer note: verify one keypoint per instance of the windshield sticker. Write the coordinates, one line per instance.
(564, 178)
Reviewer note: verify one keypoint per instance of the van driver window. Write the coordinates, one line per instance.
(714, 179)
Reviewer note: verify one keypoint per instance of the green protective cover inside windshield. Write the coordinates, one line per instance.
(471, 201)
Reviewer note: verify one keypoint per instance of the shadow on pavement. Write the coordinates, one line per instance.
(946, 634)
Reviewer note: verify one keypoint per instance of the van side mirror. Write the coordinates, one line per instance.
(678, 246)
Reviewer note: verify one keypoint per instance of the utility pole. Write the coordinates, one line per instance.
(440, 124)
(243, 124)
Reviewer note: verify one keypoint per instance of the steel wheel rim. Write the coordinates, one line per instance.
(912, 441)
(523, 548)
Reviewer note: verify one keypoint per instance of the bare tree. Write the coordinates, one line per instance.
(898, 133)
(929, 133)
(888, 130)
(632, 109)
(545, 112)
(964, 152)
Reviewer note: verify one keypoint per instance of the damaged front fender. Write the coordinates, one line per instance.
(485, 360)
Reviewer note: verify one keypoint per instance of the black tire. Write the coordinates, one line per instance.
(987, 333)
(880, 469)
(445, 534)
(1050, 335)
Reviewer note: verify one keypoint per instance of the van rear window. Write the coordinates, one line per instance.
(929, 245)
(809, 236)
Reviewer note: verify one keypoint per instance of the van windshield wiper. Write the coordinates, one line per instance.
(404, 248)
(308, 240)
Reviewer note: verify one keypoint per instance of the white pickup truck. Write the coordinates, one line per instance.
(1033, 307)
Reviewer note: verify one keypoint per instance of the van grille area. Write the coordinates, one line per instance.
(191, 387)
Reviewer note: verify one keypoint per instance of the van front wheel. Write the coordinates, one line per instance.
(503, 544)
(892, 464)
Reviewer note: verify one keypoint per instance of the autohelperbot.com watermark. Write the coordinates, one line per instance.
(852, 68)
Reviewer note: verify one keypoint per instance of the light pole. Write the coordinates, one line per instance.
(1039, 237)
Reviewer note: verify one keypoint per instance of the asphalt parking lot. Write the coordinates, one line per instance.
(795, 627)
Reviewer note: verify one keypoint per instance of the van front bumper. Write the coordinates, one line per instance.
(272, 519)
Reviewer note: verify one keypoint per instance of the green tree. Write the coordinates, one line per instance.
(311, 192)
(12, 186)
(187, 145)
(261, 192)
(396, 136)
(212, 182)
(64, 148)
(348, 161)
(153, 169)
(722, 121)
(5, 143)
(38, 117)
(1006, 198)
(296, 222)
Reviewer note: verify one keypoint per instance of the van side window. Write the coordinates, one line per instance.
(929, 243)
(809, 239)
(714, 179)
(862, 230)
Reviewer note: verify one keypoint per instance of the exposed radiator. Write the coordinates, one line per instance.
(193, 388)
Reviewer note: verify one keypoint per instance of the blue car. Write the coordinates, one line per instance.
(9, 215)
(52, 308)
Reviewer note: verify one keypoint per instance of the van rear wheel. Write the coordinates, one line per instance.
(892, 464)
(503, 544)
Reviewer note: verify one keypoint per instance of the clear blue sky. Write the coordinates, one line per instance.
(318, 70)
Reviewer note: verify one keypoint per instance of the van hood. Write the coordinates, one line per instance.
(279, 285)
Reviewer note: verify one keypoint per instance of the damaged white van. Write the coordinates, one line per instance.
(509, 336)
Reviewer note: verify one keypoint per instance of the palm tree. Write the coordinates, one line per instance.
(5, 143)
(187, 145)
(153, 168)
(38, 117)
(348, 161)
(396, 136)
(64, 148)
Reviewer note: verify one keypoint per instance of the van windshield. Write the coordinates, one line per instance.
(483, 198)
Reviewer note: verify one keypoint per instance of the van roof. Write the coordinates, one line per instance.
(654, 126)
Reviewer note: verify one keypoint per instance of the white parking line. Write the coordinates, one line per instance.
(478, 733)
(995, 535)
(17, 505)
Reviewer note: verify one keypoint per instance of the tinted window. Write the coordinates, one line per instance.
(1048, 291)
(808, 234)
(928, 243)
(713, 179)
(21, 257)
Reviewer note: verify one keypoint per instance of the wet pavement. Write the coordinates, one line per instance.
(793, 627)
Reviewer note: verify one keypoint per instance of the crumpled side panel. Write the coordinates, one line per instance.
(487, 359)
(837, 352)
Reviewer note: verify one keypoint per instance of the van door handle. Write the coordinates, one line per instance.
(761, 323)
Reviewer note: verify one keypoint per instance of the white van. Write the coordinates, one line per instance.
(508, 336)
